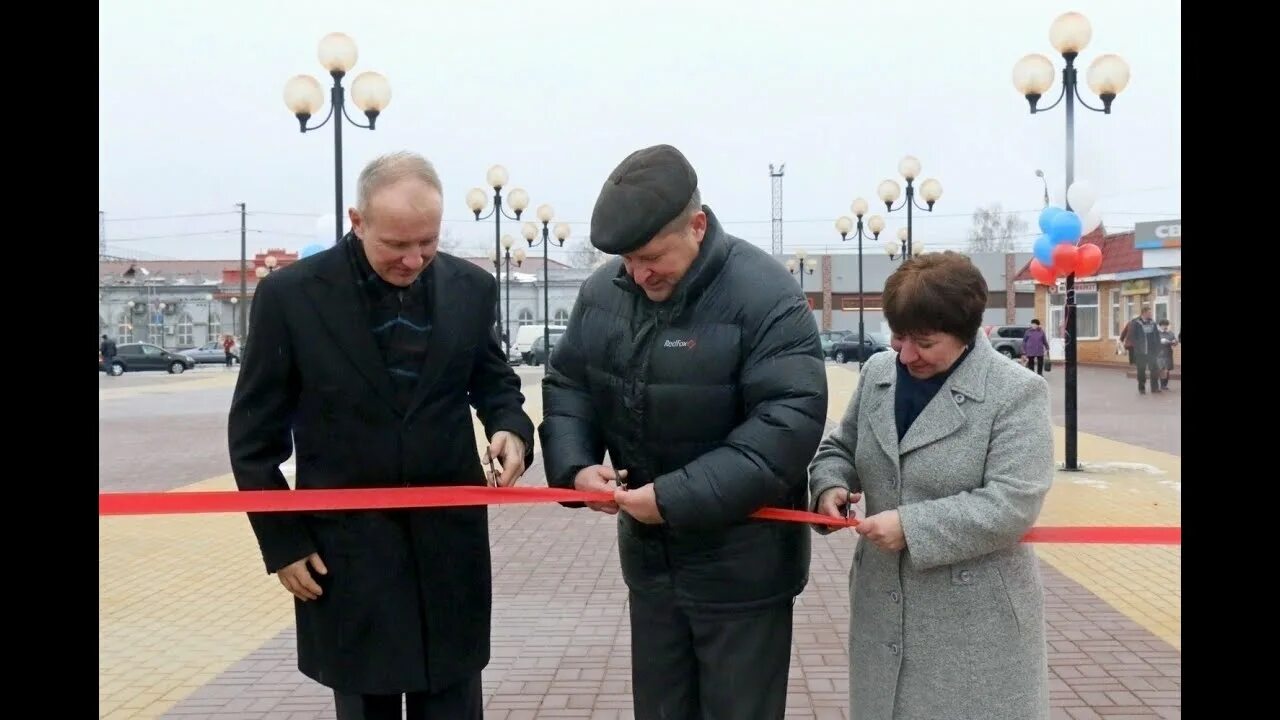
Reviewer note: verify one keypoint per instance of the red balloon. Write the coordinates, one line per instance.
(1065, 258)
(1090, 259)
(1042, 274)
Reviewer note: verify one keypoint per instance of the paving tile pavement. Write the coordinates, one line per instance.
(191, 627)
(561, 639)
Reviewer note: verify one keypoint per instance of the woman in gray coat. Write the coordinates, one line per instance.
(952, 448)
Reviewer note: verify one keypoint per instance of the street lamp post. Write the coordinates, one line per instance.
(160, 307)
(530, 232)
(519, 254)
(477, 200)
(268, 266)
(1107, 77)
(889, 192)
(234, 301)
(801, 266)
(303, 95)
(1040, 174)
(843, 225)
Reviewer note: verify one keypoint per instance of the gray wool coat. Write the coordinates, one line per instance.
(952, 627)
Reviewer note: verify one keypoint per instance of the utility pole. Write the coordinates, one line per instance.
(776, 178)
(243, 306)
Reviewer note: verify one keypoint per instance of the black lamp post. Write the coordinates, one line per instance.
(889, 192)
(844, 225)
(530, 231)
(1033, 76)
(519, 256)
(303, 95)
(477, 199)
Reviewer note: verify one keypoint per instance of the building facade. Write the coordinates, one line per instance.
(181, 304)
(833, 291)
(1139, 268)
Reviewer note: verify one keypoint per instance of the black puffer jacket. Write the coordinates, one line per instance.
(718, 396)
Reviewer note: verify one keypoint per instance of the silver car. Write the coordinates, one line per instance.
(211, 353)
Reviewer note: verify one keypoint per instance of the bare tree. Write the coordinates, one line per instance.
(995, 230)
(585, 255)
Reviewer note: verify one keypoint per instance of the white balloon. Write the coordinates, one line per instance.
(1081, 196)
(1092, 220)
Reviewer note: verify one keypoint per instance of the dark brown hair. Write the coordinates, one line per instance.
(936, 292)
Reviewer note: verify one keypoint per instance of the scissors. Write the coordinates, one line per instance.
(495, 470)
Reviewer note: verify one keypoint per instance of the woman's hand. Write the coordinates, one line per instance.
(834, 501)
(884, 530)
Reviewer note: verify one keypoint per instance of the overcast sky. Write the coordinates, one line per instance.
(192, 121)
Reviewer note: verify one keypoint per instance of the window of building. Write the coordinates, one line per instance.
(562, 316)
(1088, 323)
(215, 326)
(1118, 318)
(526, 316)
(124, 329)
(185, 326)
(1162, 302)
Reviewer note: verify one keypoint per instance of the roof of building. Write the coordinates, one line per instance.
(1118, 255)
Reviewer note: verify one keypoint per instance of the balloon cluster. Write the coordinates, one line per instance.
(1059, 251)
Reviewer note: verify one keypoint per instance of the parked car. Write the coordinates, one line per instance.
(134, 357)
(1007, 339)
(849, 348)
(829, 339)
(211, 352)
(538, 352)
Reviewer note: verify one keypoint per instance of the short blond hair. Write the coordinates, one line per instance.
(391, 168)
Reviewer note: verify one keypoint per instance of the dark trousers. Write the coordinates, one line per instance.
(228, 352)
(1148, 363)
(1036, 363)
(463, 701)
(688, 665)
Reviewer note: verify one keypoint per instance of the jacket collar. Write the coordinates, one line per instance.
(706, 267)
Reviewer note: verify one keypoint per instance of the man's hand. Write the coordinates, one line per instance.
(884, 530)
(640, 504)
(508, 450)
(297, 579)
(832, 503)
(599, 478)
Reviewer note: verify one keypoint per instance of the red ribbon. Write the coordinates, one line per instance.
(236, 501)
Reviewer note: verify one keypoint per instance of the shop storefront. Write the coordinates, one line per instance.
(1142, 268)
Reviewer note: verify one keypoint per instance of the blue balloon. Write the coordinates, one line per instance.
(310, 250)
(1043, 250)
(1046, 218)
(1066, 227)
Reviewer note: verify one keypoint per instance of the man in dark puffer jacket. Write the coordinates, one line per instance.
(695, 361)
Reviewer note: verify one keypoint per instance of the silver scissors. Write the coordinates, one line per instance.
(492, 478)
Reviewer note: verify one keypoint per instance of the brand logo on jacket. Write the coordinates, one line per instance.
(686, 344)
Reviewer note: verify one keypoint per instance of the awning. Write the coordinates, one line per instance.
(1144, 273)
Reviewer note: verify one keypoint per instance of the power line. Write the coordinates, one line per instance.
(209, 232)
(1029, 211)
(176, 235)
(169, 217)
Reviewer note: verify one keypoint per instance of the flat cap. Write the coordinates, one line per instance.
(647, 190)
